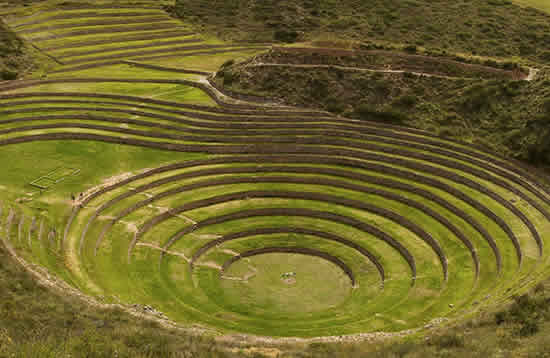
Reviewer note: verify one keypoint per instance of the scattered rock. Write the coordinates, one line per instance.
(146, 309)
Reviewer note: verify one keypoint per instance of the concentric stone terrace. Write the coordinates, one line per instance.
(252, 218)
(384, 228)
(86, 37)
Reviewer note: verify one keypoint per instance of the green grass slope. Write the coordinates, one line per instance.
(537, 4)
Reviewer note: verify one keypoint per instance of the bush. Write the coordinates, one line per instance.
(228, 78)
(545, 55)
(8, 74)
(335, 106)
(407, 101)
(319, 88)
(449, 341)
(368, 112)
(501, 317)
(529, 328)
(287, 36)
(410, 48)
(227, 63)
(525, 311)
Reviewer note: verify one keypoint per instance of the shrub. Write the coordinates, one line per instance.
(392, 116)
(528, 328)
(410, 48)
(525, 311)
(407, 101)
(287, 36)
(403, 349)
(449, 341)
(227, 63)
(228, 78)
(319, 88)
(501, 317)
(335, 105)
(8, 74)
(545, 55)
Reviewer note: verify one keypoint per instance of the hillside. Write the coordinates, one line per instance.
(15, 57)
(489, 28)
(485, 105)
(282, 179)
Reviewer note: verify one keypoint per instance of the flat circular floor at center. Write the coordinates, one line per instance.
(285, 284)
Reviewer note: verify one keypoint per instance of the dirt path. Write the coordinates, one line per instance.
(164, 209)
(246, 277)
(218, 94)
(230, 252)
(210, 264)
(355, 69)
(532, 74)
(155, 247)
(530, 77)
(206, 236)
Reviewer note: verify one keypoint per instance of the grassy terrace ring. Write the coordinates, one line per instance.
(384, 228)
(248, 217)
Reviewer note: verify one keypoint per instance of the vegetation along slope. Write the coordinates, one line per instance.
(15, 56)
(280, 179)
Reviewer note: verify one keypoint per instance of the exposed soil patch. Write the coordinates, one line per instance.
(289, 280)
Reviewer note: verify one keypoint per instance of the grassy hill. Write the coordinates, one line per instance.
(489, 28)
(479, 104)
(143, 212)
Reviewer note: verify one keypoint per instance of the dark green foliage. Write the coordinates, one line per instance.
(406, 101)
(411, 48)
(448, 341)
(288, 36)
(334, 105)
(489, 28)
(227, 64)
(507, 115)
(7, 74)
(527, 312)
(319, 88)
(13, 54)
(478, 97)
(228, 77)
(390, 116)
